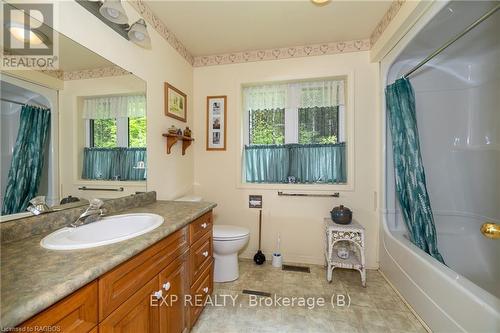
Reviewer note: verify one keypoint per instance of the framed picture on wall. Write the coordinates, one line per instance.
(175, 103)
(216, 122)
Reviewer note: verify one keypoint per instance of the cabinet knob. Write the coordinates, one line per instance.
(204, 225)
(205, 290)
(166, 286)
(205, 254)
(158, 294)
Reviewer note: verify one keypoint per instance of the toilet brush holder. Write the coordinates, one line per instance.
(277, 260)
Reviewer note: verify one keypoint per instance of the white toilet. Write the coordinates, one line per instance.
(228, 241)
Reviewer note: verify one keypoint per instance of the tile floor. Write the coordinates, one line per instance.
(376, 308)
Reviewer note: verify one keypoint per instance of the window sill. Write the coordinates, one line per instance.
(298, 187)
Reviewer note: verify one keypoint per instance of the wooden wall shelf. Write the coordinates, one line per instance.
(173, 138)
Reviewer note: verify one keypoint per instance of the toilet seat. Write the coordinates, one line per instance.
(229, 232)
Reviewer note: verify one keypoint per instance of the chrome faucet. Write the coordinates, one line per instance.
(93, 213)
(38, 206)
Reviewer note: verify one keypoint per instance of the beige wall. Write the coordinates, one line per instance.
(169, 175)
(72, 134)
(299, 220)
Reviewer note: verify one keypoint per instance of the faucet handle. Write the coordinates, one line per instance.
(95, 203)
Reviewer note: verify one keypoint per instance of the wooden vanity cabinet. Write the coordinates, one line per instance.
(146, 293)
(75, 313)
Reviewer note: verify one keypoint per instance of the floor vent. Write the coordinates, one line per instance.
(293, 268)
(256, 292)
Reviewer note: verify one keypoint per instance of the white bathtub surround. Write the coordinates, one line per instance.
(457, 114)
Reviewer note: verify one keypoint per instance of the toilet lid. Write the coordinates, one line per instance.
(229, 232)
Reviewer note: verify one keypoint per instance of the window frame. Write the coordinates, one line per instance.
(348, 116)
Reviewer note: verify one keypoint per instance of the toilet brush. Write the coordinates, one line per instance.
(259, 257)
(277, 258)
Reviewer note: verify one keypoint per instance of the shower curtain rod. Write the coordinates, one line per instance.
(451, 41)
(20, 103)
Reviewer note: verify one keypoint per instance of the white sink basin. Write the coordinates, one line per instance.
(109, 230)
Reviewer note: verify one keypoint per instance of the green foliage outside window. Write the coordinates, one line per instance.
(318, 125)
(137, 132)
(104, 133)
(267, 127)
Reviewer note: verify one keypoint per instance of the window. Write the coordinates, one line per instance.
(115, 128)
(118, 132)
(295, 132)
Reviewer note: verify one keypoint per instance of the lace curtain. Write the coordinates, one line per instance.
(294, 95)
(110, 107)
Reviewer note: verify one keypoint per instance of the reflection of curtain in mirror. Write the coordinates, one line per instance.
(119, 163)
(27, 160)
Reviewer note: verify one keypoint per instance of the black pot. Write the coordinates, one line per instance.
(341, 215)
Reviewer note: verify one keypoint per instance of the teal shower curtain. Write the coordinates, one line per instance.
(27, 160)
(409, 170)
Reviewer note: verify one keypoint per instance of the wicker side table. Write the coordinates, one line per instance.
(351, 236)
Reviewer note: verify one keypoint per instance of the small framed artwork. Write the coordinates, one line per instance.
(175, 103)
(216, 122)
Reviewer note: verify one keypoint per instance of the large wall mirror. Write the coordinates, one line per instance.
(71, 134)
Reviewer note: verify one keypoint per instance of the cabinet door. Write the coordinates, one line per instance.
(173, 283)
(77, 313)
(138, 314)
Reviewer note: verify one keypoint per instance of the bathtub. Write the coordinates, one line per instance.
(447, 298)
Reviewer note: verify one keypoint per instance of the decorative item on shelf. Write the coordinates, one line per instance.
(216, 122)
(187, 132)
(179, 132)
(341, 215)
(343, 252)
(175, 103)
(172, 130)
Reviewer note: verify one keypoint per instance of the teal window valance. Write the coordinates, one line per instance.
(296, 163)
(114, 163)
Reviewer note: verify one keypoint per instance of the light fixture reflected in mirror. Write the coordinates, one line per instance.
(113, 11)
(18, 31)
(138, 33)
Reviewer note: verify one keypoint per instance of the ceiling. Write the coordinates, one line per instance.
(75, 57)
(214, 27)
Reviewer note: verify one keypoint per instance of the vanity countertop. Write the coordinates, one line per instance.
(33, 278)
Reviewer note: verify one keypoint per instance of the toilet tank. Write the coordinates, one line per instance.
(190, 198)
